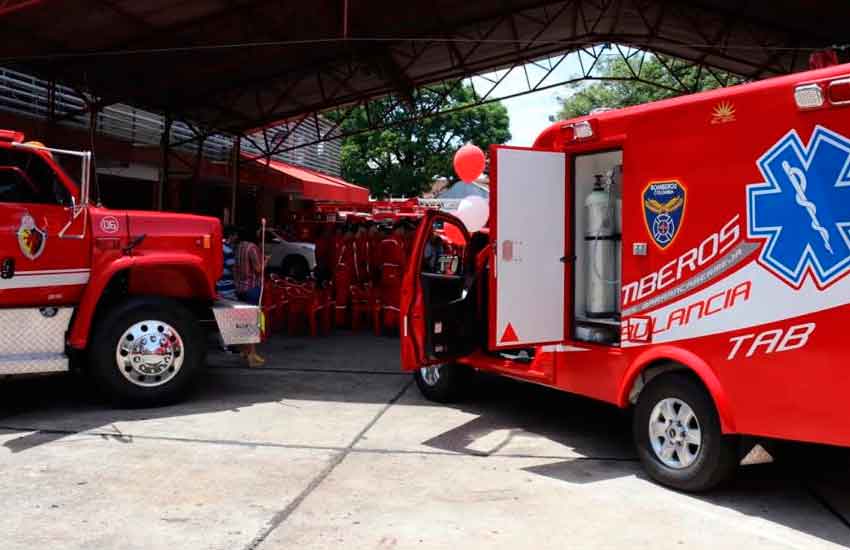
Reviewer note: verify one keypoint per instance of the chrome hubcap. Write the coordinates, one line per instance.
(149, 353)
(430, 375)
(675, 433)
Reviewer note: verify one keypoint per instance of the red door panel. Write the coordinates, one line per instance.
(419, 347)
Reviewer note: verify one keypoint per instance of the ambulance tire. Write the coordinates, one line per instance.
(445, 384)
(716, 459)
(116, 323)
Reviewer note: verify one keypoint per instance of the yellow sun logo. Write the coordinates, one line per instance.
(723, 112)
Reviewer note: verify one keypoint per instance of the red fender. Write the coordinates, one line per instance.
(690, 361)
(103, 274)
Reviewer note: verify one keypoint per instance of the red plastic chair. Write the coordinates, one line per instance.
(309, 304)
(365, 303)
(275, 304)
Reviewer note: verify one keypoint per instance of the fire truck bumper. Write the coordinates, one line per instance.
(238, 323)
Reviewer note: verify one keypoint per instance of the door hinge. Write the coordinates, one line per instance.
(7, 269)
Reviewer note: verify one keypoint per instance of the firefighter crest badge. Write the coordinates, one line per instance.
(31, 239)
(664, 210)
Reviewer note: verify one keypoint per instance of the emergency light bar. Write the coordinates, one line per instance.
(812, 96)
(578, 130)
(839, 91)
(808, 96)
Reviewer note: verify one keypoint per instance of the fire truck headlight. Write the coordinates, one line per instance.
(808, 96)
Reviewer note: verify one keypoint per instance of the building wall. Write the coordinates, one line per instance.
(26, 96)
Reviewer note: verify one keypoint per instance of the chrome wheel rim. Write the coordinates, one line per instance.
(675, 433)
(430, 375)
(149, 353)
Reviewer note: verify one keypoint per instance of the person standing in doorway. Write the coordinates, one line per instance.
(249, 270)
(226, 285)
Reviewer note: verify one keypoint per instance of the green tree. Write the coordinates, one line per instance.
(657, 81)
(404, 158)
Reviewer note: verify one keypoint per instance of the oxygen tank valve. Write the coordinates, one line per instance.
(597, 184)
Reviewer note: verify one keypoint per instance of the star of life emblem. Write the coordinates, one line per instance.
(802, 209)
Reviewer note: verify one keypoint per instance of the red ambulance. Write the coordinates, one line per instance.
(687, 258)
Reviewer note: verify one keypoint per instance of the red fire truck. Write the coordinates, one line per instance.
(123, 295)
(687, 258)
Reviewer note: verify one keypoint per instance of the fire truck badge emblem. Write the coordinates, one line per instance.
(31, 239)
(664, 210)
(109, 224)
(802, 209)
(723, 112)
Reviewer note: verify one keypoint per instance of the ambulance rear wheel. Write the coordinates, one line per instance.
(678, 437)
(144, 352)
(442, 383)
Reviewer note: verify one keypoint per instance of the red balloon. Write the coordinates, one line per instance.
(469, 163)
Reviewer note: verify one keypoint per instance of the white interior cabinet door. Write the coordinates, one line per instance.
(529, 201)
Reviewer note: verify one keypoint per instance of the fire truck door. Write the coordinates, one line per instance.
(438, 304)
(38, 268)
(41, 274)
(528, 220)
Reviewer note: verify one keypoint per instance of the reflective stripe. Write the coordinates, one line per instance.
(50, 277)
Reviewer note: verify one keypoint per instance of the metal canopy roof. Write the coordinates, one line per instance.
(190, 58)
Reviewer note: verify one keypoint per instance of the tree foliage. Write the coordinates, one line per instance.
(657, 81)
(404, 158)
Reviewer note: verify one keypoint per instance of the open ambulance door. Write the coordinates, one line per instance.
(437, 309)
(528, 221)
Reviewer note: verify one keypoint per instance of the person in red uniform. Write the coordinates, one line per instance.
(375, 237)
(325, 252)
(393, 257)
(408, 234)
(343, 274)
(361, 255)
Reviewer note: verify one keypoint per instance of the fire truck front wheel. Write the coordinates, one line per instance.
(442, 383)
(145, 351)
(678, 437)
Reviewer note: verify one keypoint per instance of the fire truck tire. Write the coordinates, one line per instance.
(443, 383)
(145, 351)
(678, 438)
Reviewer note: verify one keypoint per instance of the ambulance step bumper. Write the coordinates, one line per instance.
(33, 363)
(238, 322)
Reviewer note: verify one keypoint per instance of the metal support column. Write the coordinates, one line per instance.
(237, 151)
(164, 150)
(94, 110)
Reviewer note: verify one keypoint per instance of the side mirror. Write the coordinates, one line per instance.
(74, 209)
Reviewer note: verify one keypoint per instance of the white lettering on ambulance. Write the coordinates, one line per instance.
(773, 341)
(729, 234)
(687, 260)
(709, 249)
(799, 334)
(685, 315)
(665, 275)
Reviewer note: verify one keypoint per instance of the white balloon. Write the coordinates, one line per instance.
(473, 212)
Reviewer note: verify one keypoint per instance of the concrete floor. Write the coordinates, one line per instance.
(331, 447)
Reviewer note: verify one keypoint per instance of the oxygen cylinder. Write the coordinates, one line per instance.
(601, 239)
(615, 176)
